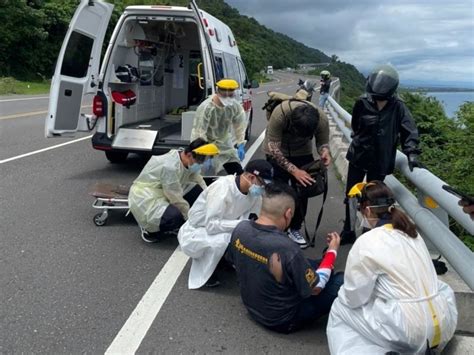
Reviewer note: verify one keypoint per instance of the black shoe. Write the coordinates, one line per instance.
(347, 237)
(213, 281)
(150, 237)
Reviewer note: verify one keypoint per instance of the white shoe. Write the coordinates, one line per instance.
(296, 236)
(148, 237)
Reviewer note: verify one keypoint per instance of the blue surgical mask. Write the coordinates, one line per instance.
(195, 167)
(256, 190)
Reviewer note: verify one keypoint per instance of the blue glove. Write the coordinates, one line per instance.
(241, 151)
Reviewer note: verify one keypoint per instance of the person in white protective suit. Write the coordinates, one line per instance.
(391, 299)
(220, 207)
(161, 196)
(221, 119)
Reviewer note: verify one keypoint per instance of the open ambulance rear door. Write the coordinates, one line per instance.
(77, 68)
(207, 52)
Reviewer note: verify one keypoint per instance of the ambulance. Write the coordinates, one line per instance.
(160, 64)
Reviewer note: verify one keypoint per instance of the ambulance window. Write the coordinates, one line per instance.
(243, 74)
(232, 69)
(219, 68)
(77, 55)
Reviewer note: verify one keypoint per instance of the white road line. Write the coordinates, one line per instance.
(44, 150)
(251, 151)
(278, 88)
(135, 328)
(260, 92)
(26, 98)
(137, 325)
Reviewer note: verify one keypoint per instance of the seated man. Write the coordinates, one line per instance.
(278, 285)
(226, 202)
(160, 197)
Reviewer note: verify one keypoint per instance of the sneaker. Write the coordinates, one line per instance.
(213, 281)
(149, 237)
(347, 237)
(295, 235)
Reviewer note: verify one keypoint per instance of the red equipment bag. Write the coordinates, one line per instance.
(126, 98)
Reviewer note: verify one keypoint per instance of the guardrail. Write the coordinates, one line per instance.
(430, 210)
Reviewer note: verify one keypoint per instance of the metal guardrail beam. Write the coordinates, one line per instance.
(455, 252)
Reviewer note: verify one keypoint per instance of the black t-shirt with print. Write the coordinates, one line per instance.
(253, 249)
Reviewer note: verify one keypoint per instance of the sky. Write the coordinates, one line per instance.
(428, 41)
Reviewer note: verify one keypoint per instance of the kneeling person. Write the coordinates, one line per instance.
(279, 286)
(224, 204)
(161, 196)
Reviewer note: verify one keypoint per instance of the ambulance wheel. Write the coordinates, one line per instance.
(116, 157)
(248, 131)
(99, 221)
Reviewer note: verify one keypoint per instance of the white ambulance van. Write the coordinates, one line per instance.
(160, 64)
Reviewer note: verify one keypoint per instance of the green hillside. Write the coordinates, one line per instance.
(32, 33)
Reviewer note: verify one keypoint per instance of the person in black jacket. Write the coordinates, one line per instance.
(325, 86)
(379, 121)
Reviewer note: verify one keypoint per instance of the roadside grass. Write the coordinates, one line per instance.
(9, 86)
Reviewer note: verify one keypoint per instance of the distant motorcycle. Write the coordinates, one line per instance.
(309, 86)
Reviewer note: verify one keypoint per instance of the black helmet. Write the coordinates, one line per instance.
(382, 82)
(304, 120)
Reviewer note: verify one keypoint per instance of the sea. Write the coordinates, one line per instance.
(452, 100)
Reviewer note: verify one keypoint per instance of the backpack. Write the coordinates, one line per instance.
(276, 98)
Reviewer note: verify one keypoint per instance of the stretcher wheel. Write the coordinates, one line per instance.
(100, 220)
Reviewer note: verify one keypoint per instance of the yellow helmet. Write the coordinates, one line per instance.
(207, 149)
(356, 190)
(227, 84)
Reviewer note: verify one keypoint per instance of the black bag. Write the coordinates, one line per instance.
(318, 172)
(127, 74)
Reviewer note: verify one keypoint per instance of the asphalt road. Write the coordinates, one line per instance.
(68, 286)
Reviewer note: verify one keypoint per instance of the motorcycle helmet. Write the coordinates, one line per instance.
(325, 74)
(382, 82)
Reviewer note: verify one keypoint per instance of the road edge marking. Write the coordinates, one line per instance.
(26, 99)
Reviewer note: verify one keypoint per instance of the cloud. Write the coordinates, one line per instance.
(430, 40)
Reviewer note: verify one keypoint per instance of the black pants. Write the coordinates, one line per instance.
(233, 168)
(173, 219)
(355, 175)
(280, 174)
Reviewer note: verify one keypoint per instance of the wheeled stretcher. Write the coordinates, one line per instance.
(109, 197)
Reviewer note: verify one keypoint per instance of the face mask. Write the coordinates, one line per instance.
(256, 190)
(226, 101)
(195, 167)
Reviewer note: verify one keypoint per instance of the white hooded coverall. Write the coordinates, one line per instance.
(391, 299)
(223, 126)
(163, 181)
(212, 218)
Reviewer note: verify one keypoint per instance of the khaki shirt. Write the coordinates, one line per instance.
(292, 146)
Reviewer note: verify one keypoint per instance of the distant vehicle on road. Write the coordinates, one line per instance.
(270, 69)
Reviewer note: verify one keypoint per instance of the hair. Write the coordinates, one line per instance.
(304, 119)
(198, 142)
(376, 193)
(278, 197)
